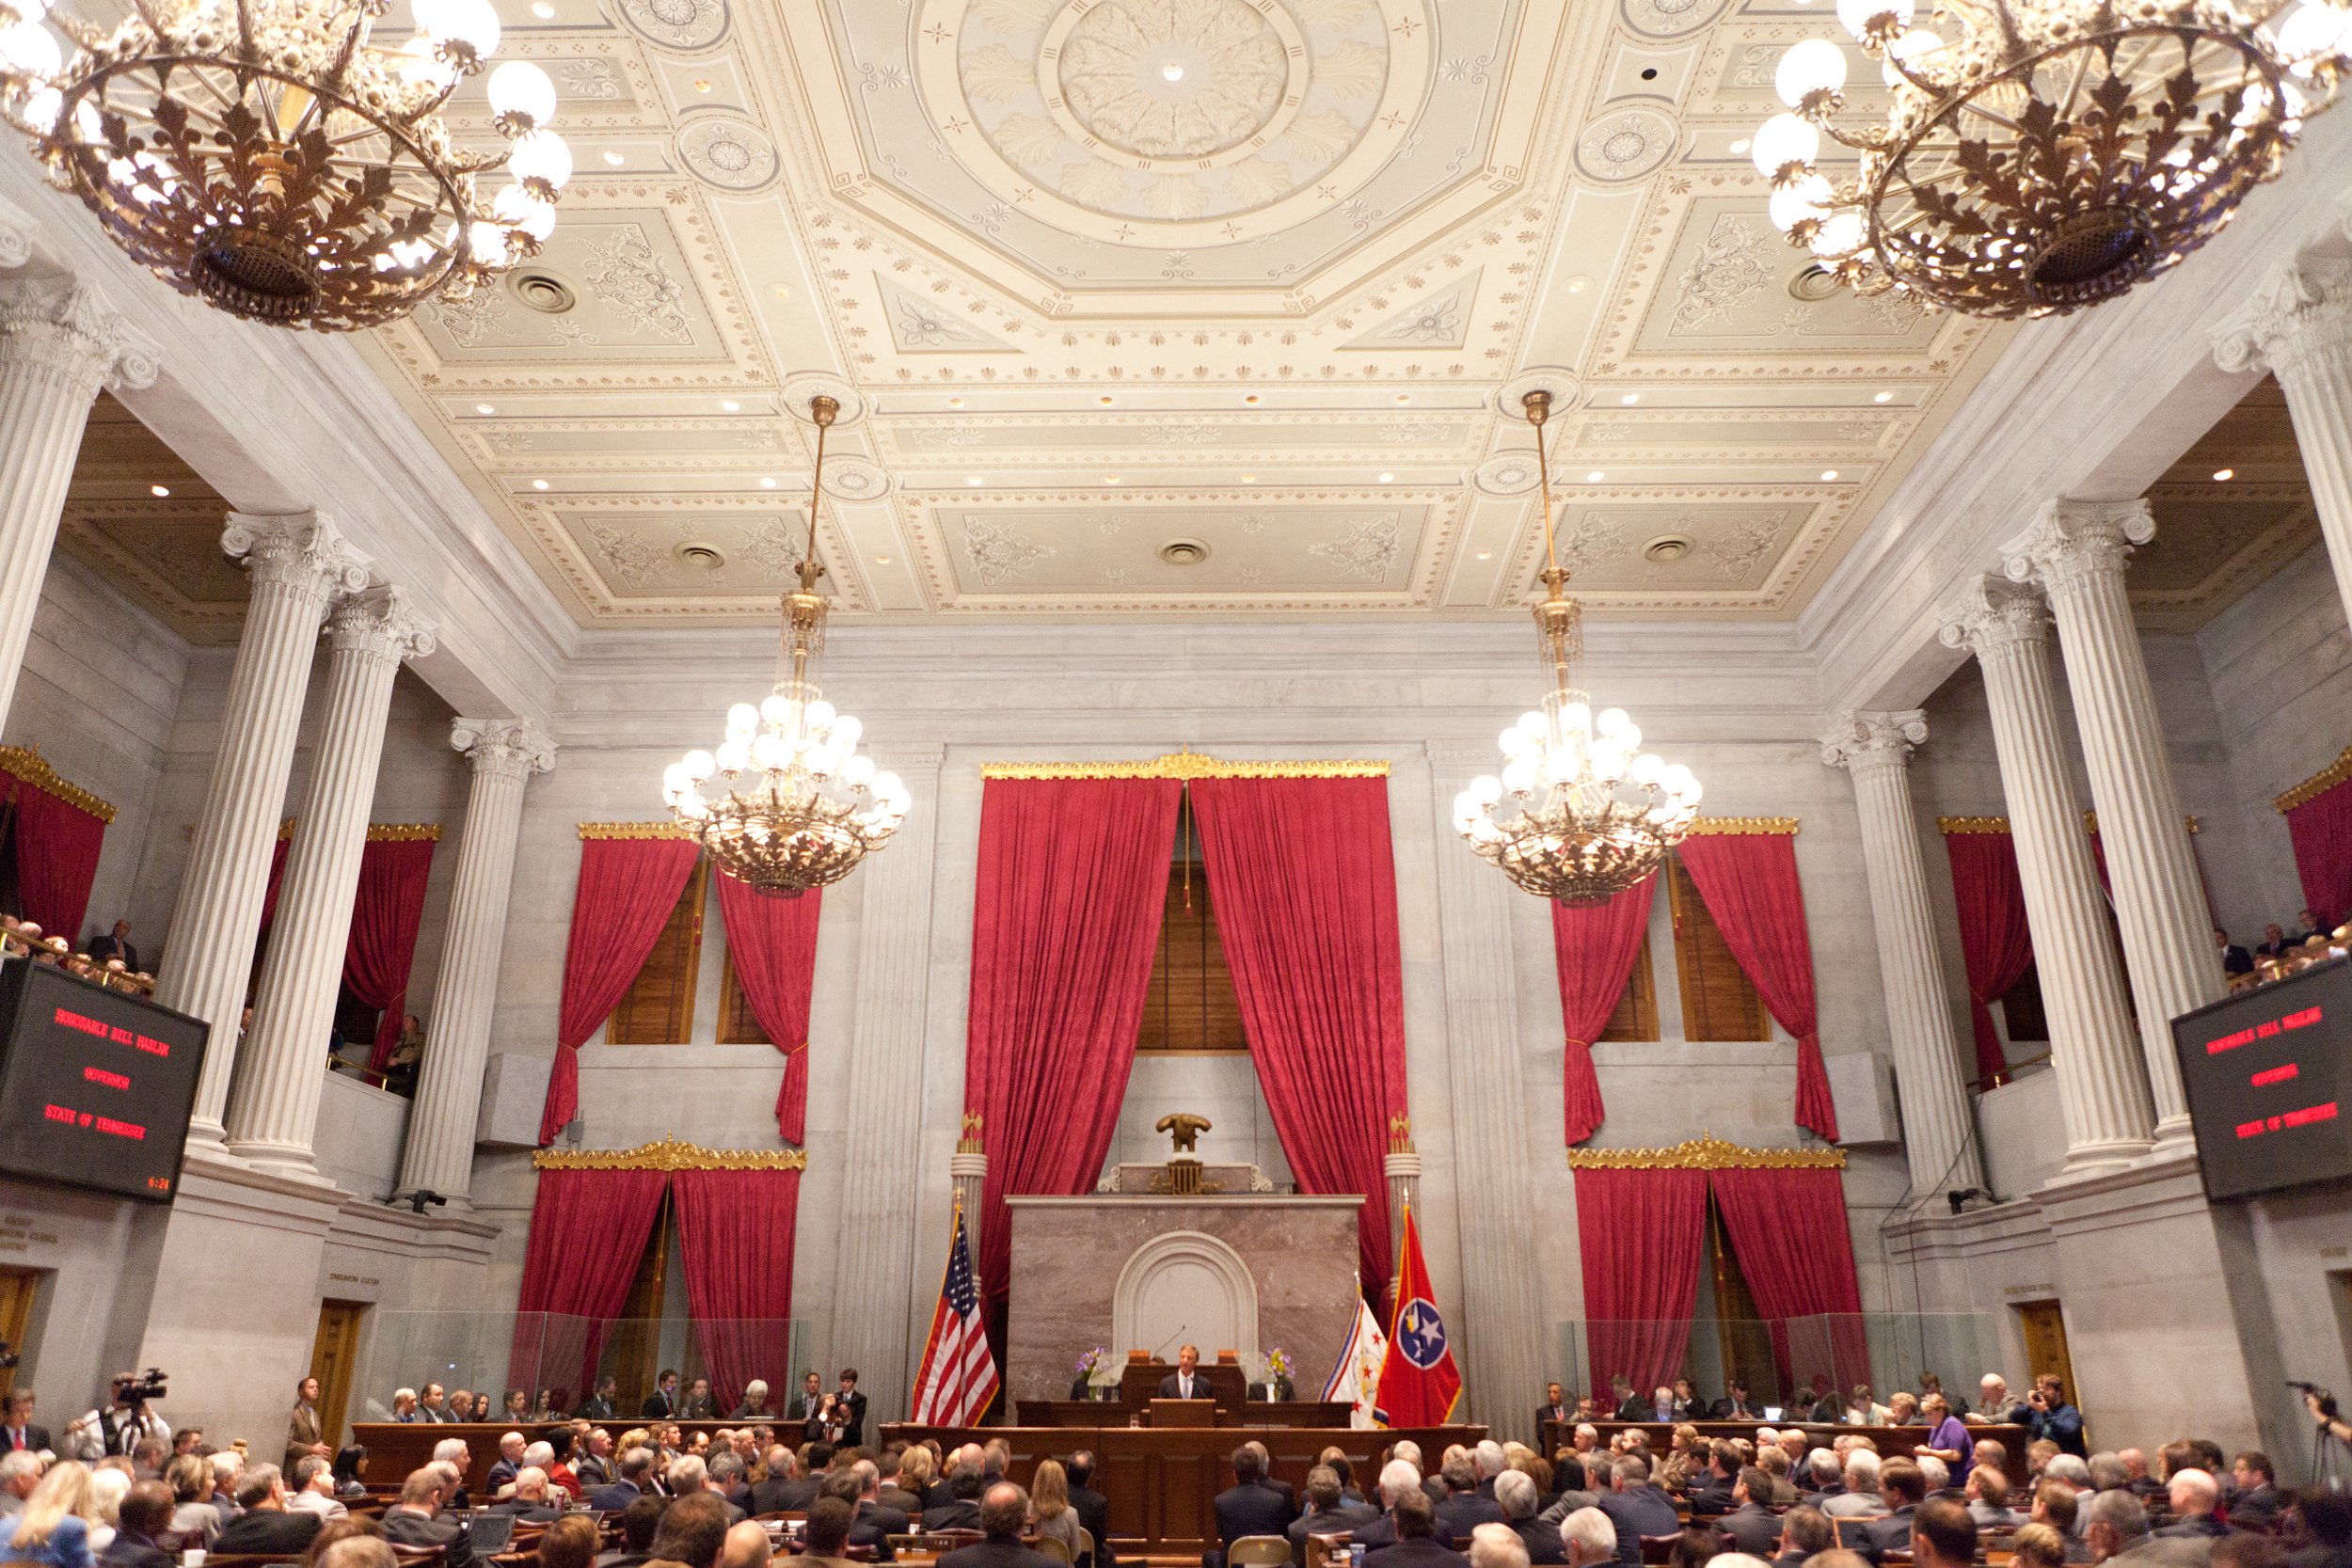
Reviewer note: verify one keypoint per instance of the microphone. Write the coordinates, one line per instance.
(1170, 1339)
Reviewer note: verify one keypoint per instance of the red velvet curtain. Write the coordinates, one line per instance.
(276, 877)
(1073, 880)
(384, 913)
(735, 1233)
(2321, 831)
(57, 860)
(1994, 939)
(1750, 883)
(772, 942)
(1304, 883)
(1594, 948)
(1641, 1233)
(1790, 1229)
(628, 887)
(588, 1232)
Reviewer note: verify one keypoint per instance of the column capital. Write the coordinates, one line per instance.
(510, 748)
(68, 328)
(1992, 613)
(1864, 742)
(2302, 308)
(303, 550)
(381, 622)
(2070, 542)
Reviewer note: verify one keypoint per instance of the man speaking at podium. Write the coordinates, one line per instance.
(1185, 1383)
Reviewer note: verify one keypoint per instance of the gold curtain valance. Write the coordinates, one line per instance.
(403, 832)
(2090, 822)
(668, 1153)
(1747, 825)
(1950, 825)
(632, 830)
(30, 767)
(1707, 1152)
(2318, 784)
(1187, 764)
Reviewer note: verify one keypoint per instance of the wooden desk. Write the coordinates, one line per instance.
(1891, 1441)
(1163, 1486)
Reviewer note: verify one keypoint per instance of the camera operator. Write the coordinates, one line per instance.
(2323, 1409)
(122, 1425)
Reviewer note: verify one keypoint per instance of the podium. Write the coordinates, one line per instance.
(1168, 1415)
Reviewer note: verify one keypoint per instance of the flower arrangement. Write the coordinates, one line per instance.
(1093, 1362)
(1278, 1365)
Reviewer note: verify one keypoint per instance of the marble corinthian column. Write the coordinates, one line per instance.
(276, 1104)
(1875, 748)
(58, 345)
(505, 752)
(2103, 1096)
(2078, 552)
(297, 566)
(2298, 326)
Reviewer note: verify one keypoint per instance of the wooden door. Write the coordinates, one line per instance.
(2044, 1328)
(332, 1354)
(17, 1289)
(1745, 1338)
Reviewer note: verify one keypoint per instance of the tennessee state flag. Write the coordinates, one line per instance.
(1419, 1381)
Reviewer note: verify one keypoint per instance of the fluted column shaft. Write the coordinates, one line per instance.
(2079, 550)
(277, 1103)
(2102, 1095)
(1875, 748)
(875, 1296)
(297, 565)
(440, 1152)
(59, 344)
(968, 1168)
(2298, 326)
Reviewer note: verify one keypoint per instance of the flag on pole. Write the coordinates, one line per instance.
(1356, 1379)
(959, 1375)
(1419, 1381)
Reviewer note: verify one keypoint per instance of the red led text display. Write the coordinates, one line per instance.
(2268, 1076)
(95, 1085)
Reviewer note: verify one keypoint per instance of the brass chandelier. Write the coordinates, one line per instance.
(810, 807)
(1594, 814)
(282, 160)
(2038, 156)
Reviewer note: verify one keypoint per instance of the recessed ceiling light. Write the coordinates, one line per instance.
(616, 159)
(1739, 146)
(1251, 399)
(484, 408)
(159, 490)
(767, 483)
(973, 480)
(1249, 478)
(2225, 474)
(1404, 397)
(1828, 474)
(1485, 555)
(1630, 399)
(1387, 478)
(1593, 477)
(1576, 285)
(1881, 397)
(729, 404)
(702, 83)
(1110, 479)
(538, 484)
(882, 560)
(541, 9)
(955, 402)
(1106, 400)
(1171, 71)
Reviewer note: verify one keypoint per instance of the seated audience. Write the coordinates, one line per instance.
(1804, 1532)
(825, 1539)
(1494, 1545)
(510, 1461)
(692, 1532)
(1860, 1499)
(2254, 1497)
(53, 1529)
(1751, 1525)
(1636, 1508)
(1413, 1519)
(195, 1522)
(1463, 1508)
(2039, 1546)
(1902, 1488)
(1327, 1512)
(570, 1542)
(2194, 1495)
(1003, 1509)
(1588, 1537)
(1516, 1495)
(2141, 1484)
(1695, 1544)
(263, 1523)
(20, 1473)
(1988, 1500)
(314, 1489)
(143, 1525)
(1398, 1479)
(2317, 1530)
(636, 1471)
(637, 1526)
(964, 1486)
(530, 1500)
(418, 1519)
(1943, 1535)
(1572, 1490)
(1050, 1513)
(1094, 1509)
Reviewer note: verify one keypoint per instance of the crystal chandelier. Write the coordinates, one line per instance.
(281, 160)
(1594, 813)
(2037, 156)
(812, 808)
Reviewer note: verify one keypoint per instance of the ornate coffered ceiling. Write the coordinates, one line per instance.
(2216, 537)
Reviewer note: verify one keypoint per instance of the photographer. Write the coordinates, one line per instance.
(124, 1423)
(2323, 1409)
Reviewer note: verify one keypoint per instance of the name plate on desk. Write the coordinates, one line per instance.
(1167, 1414)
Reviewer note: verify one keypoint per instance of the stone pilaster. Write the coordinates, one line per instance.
(2102, 1095)
(2079, 550)
(2298, 326)
(1502, 1341)
(297, 565)
(438, 1157)
(276, 1102)
(59, 344)
(875, 1296)
(1875, 748)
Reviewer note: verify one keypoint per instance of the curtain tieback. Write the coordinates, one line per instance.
(796, 1050)
(1586, 1044)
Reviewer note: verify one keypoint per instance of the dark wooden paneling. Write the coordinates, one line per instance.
(1718, 1004)
(737, 1024)
(1191, 1005)
(1636, 1015)
(659, 1009)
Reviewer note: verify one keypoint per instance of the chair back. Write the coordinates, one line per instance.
(1660, 1548)
(1259, 1551)
(1055, 1547)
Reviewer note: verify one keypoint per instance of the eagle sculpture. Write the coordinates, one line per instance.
(1185, 1127)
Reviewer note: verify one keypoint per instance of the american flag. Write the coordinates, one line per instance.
(959, 1375)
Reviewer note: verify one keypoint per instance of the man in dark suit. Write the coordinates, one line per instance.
(1904, 1488)
(1636, 1508)
(1568, 1473)
(507, 1465)
(1094, 1509)
(965, 1486)
(529, 1502)
(1555, 1410)
(662, 1404)
(1398, 1477)
(699, 1403)
(692, 1531)
(1463, 1510)
(1186, 1382)
(145, 1517)
(2234, 959)
(780, 1493)
(807, 1409)
(599, 1406)
(267, 1525)
(635, 1466)
(639, 1520)
(1736, 1405)
(1753, 1528)
(1515, 1493)
(1415, 1520)
(1943, 1536)
(20, 1432)
(1249, 1507)
(1327, 1512)
(2256, 1499)
(2275, 944)
(2194, 1494)
(1710, 1491)
(432, 1406)
(417, 1519)
(871, 1525)
(1003, 1509)
(845, 1418)
(115, 944)
(1803, 1531)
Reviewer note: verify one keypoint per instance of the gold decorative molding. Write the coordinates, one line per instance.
(1187, 764)
(1707, 1152)
(1401, 1135)
(1747, 824)
(2090, 822)
(668, 1153)
(285, 829)
(2318, 784)
(1949, 825)
(970, 1143)
(632, 830)
(30, 767)
(403, 832)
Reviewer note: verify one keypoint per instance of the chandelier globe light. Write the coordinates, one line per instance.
(1590, 814)
(2037, 156)
(802, 807)
(287, 160)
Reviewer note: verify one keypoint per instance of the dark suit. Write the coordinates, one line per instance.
(36, 1439)
(503, 1472)
(2196, 1527)
(802, 1413)
(853, 1432)
(1710, 1494)
(103, 948)
(874, 1526)
(1320, 1523)
(595, 1407)
(2257, 1505)
(1094, 1512)
(592, 1470)
(134, 1551)
(1731, 1409)
(1380, 1531)
(1249, 1508)
(1752, 1530)
(962, 1515)
(1466, 1511)
(2236, 960)
(612, 1498)
(1639, 1511)
(268, 1529)
(1169, 1389)
(402, 1527)
(660, 1406)
(1636, 1408)
(1556, 1414)
(997, 1551)
(1542, 1541)
(698, 1407)
(1878, 1537)
(1416, 1551)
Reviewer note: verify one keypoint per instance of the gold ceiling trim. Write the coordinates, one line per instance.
(1950, 825)
(2318, 784)
(668, 1153)
(1707, 1152)
(403, 832)
(2090, 822)
(28, 765)
(633, 830)
(1187, 764)
(1745, 825)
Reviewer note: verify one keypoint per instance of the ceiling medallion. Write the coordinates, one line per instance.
(281, 160)
(2048, 154)
(1595, 814)
(813, 808)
